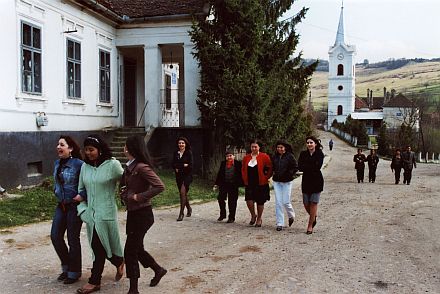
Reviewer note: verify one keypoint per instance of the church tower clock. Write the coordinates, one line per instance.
(341, 78)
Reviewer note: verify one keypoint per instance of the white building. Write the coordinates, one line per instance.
(76, 66)
(342, 99)
(341, 78)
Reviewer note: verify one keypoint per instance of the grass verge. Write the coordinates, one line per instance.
(38, 204)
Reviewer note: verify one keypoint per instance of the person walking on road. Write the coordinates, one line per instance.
(284, 170)
(256, 171)
(409, 160)
(139, 184)
(359, 160)
(372, 160)
(66, 178)
(312, 184)
(396, 165)
(183, 169)
(97, 184)
(228, 181)
(330, 144)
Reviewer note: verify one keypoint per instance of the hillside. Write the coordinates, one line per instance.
(410, 79)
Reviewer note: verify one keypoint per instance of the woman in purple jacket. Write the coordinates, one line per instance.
(139, 185)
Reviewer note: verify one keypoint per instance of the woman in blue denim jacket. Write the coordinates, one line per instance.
(66, 175)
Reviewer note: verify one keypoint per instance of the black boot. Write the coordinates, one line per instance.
(133, 286)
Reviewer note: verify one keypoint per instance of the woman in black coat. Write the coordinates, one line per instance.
(310, 162)
(183, 165)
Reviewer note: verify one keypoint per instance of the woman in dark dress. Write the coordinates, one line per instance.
(256, 171)
(183, 165)
(396, 165)
(310, 162)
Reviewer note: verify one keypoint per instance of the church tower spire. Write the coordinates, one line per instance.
(341, 78)
(340, 40)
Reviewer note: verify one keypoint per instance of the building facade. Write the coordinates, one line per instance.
(82, 66)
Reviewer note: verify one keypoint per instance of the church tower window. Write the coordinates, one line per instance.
(339, 109)
(340, 70)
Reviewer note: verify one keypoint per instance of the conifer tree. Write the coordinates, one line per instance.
(251, 86)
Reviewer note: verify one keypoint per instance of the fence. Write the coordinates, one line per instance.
(346, 137)
(428, 157)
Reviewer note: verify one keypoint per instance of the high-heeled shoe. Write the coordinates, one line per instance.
(189, 212)
(314, 222)
(253, 220)
(119, 271)
(180, 218)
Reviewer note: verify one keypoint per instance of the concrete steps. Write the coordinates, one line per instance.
(119, 138)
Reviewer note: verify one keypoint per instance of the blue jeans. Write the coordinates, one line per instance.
(66, 218)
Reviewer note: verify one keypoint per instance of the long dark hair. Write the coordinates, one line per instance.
(76, 151)
(97, 142)
(136, 147)
(184, 139)
(316, 140)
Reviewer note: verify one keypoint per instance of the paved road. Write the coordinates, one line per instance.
(370, 238)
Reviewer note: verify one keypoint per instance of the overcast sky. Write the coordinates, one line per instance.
(380, 29)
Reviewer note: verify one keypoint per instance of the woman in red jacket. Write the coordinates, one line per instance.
(256, 171)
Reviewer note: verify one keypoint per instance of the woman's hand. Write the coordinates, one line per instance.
(78, 198)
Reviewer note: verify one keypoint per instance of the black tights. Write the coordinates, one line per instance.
(184, 202)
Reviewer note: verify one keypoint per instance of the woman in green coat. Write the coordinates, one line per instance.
(97, 185)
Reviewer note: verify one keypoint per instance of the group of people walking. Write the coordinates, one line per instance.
(85, 192)
(254, 173)
(405, 161)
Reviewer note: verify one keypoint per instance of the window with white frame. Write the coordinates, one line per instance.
(31, 58)
(104, 76)
(73, 69)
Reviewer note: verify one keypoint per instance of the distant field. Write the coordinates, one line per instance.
(414, 78)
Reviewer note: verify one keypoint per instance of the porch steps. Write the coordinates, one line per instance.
(118, 142)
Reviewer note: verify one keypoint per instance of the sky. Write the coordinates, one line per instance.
(380, 29)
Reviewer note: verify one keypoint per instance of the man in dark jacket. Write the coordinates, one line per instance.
(228, 180)
(359, 165)
(409, 160)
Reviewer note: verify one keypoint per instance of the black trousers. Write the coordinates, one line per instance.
(407, 173)
(360, 174)
(100, 256)
(138, 223)
(397, 174)
(372, 174)
(230, 192)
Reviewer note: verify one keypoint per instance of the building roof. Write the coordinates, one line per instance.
(369, 115)
(363, 102)
(399, 101)
(135, 10)
(359, 103)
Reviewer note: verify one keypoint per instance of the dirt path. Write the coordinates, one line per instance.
(370, 238)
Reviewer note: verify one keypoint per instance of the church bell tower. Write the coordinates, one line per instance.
(341, 78)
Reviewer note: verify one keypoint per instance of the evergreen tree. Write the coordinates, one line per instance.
(251, 87)
(382, 141)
